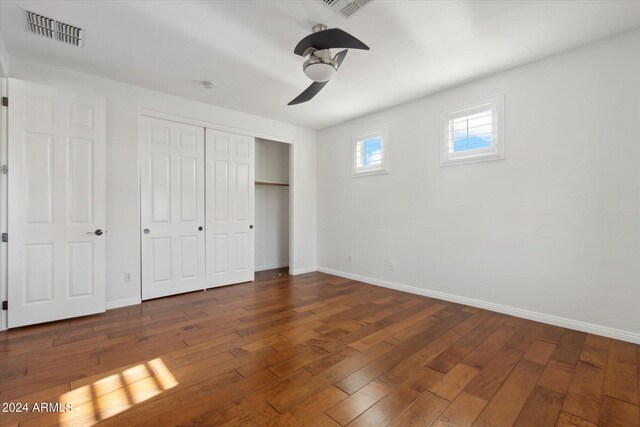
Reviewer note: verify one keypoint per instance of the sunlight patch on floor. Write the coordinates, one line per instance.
(116, 393)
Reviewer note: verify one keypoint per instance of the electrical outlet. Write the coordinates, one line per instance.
(392, 265)
(127, 277)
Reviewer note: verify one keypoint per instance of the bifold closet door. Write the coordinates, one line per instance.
(230, 208)
(56, 252)
(172, 207)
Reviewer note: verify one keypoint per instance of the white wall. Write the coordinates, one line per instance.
(4, 58)
(272, 205)
(552, 231)
(272, 227)
(123, 103)
(272, 161)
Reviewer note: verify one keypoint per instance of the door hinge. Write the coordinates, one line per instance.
(5, 101)
(5, 237)
(5, 169)
(5, 305)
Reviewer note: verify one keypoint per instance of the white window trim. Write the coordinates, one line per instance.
(383, 133)
(495, 152)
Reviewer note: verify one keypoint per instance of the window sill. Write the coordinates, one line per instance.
(472, 159)
(369, 172)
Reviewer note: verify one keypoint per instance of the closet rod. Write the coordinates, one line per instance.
(282, 184)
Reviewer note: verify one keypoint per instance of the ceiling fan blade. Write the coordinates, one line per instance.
(309, 93)
(333, 38)
(340, 57)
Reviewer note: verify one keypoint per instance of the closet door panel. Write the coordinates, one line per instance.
(172, 207)
(230, 208)
(220, 190)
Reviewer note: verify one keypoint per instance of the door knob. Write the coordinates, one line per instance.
(200, 228)
(146, 231)
(251, 227)
(98, 232)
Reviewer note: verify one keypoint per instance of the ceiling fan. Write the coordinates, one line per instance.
(320, 66)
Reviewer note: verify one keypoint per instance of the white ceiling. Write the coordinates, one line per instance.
(246, 47)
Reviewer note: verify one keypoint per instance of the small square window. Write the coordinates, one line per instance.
(370, 153)
(473, 133)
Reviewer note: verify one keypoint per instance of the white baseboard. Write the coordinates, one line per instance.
(505, 309)
(271, 267)
(123, 302)
(303, 270)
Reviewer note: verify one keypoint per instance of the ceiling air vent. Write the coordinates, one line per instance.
(345, 7)
(53, 29)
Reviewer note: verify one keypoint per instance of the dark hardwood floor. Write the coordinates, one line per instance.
(315, 350)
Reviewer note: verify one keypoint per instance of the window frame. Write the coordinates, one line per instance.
(495, 152)
(383, 134)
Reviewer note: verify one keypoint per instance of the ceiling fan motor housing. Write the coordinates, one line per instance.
(320, 66)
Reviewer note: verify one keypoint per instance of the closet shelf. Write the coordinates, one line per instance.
(281, 184)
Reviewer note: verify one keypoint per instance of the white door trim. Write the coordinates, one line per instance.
(4, 120)
(211, 125)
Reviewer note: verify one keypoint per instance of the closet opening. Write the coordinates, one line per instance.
(272, 205)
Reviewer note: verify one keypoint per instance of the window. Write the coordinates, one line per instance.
(370, 153)
(473, 133)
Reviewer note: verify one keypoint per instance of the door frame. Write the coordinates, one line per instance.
(145, 112)
(4, 200)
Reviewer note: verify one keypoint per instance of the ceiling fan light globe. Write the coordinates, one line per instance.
(319, 72)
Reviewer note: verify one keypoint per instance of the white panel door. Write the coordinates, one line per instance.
(230, 208)
(172, 207)
(56, 204)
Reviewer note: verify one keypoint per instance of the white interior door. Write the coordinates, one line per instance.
(230, 208)
(56, 204)
(172, 207)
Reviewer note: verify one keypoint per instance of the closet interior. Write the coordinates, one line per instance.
(272, 201)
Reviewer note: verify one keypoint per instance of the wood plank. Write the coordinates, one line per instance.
(556, 376)
(351, 407)
(314, 408)
(540, 352)
(569, 347)
(567, 420)
(422, 412)
(491, 377)
(616, 412)
(504, 407)
(454, 382)
(368, 373)
(489, 347)
(462, 412)
(386, 409)
(541, 409)
(458, 351)
(621, 381)
(585, 392)
(300, 389)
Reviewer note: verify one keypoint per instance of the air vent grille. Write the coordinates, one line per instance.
(345, 7)
(53, 29)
